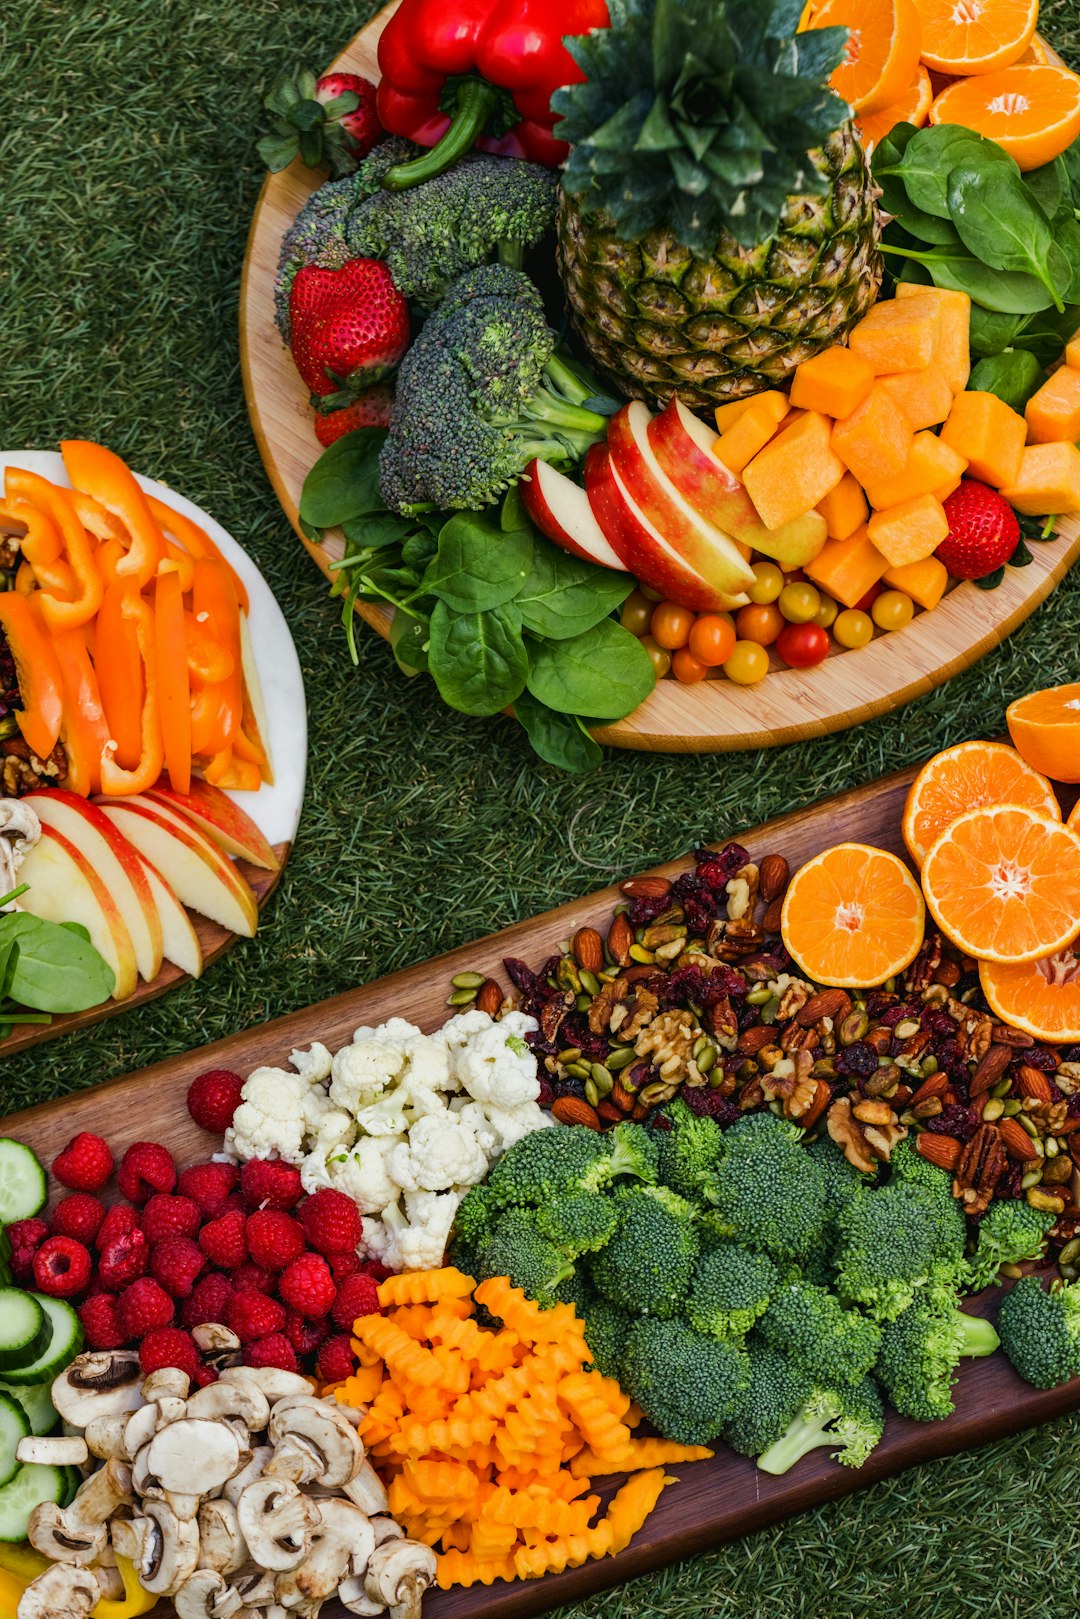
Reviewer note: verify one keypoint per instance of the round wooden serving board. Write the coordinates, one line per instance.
(716, 715)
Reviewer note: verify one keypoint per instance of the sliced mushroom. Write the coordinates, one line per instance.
(141, 1428)
(250, 1471)
(277, 1523)
(255, 1589)
(386, 1529)
(218, 1344)
(242, 1403)
(56, 1452)
(351, 1595)
(78, 1532)
(314, 1444)
(221, 1542)
(193, 1456)
(340, 1546)
(205, 1595)
(20, 829)
(109, 1578)
(126, 1537)
(61, 1592)
(167, 1382)
(105, 1436)
(170, 1550)
(100, 1384)
(170, 1409)
(398, 1573)
(367, 1490)
(274, 1383)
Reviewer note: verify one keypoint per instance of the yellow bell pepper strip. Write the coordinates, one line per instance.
(227, 771)
(18, 1557)
(174, 687)
(85, 730)
(101, 473)
(135, 1600)
(116, 780)
(120, 672)
(208, 660)
(38, 672)
(196, 542)
(219, 708)
(62, 614)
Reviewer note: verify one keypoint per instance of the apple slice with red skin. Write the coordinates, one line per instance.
(199, 874)
(560, 509)
(683, 446)
(64, 887)
(214, 813)
(180, 941)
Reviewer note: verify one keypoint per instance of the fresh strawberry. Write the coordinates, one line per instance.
(349, 327)
(983, 531)
(330, 120)
(372, 409)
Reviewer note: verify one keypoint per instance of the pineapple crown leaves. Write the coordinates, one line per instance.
(699, 116)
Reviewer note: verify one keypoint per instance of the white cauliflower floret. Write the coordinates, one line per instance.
(458, 1031)
(512, 1124)
(269, 1122)
(395, 1029)
(413, 1237)
(387, 1115)
(497, 1067)
(364, 1173)
(312, 1064)
(428, 1071)
(440, 1152)
(473, 1116)
(362, 1071)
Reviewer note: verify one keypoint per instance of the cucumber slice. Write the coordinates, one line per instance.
(14, 1425)
(36, 1401)
(72, 1480)
(25, 1330)
(23, 1187)
(64, 1345)
(31, 1485)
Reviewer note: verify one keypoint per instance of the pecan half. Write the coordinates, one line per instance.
(981, 1166)
(605, 1003)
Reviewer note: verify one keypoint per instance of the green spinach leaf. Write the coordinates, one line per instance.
(344, 482)
(477, 565)
(564, 596)
(991, 331)
(604, 673)
(1013, 375)
(932, 154)
(409, 642)
(57, 970)
(559, 739)
(999, 221)
(1049, 186)
(478, 660)
(1007, 292)
(375, 530)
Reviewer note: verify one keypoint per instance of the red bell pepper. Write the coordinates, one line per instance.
(478, 73)
(37, 670)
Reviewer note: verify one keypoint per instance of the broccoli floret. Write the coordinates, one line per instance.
(479, 395)
(579, 1224)
(730, 1289)
(1009, 1232)
(910, 1168)
(518, 1249)
(842, 1179)
(606, 1329)
(647, 1265)
(919, 1355)
(831, 1343)
(634, 1151)
(547, 1165)
(894, 1242)
(767, 1191)
(689, 1151)
(766, 1406)
(577, 1290)
(686, 1384)
(851, 1418)
(1040, 1331)
(476, 1213)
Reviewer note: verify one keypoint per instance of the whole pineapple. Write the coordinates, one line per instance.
(717, 222)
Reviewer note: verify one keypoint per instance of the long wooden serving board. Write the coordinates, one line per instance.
(789, 704)
(713, 1501)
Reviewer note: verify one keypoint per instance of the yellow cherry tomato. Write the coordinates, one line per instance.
(892, 610)
(760, 624)
(768, 583)
(650, 594)
(637, 611)
(671, 625)
(852, 628)
(749, 663)
(686, 668)
(661, 657)
(799, 602)
(826, 613)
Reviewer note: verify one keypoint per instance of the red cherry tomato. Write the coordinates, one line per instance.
(802, 645)
(864, 603)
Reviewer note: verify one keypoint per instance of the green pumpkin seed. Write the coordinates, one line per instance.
(467, 980)
(759, 995)
(462, 997)
(616, 1061)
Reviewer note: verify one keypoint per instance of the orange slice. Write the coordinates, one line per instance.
(1074, 818)
(967, 777)
(913, 107)
(1045, 727)
(1040, 997)
(1003, 883)
(1036, 53)
(882, 53)
(1033, 112)
(975, 36)
(853, 916)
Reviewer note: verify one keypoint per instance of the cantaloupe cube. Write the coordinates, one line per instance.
(898, 334)
(844, 508)
(991, 437)
(847, 568)
(923, 581)
(1072, 350)
(1048, 481)
(874, 442)
(1053, 412)
(924, 396)
(910, 531)
(727, 415)
(932, 468)
(751, 429)
(954, 350)
(834, 382)
(794, 471)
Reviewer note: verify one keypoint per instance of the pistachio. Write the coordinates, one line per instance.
(993, 1109)
(638, 953)
(461, 997)
(619, 1059)
(467, 980)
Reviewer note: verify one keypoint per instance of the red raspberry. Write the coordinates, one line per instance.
(253, 1315)
(143, 1306)
(26, 1237)
(209, 1301)
(124, 1258)
(213, 1098)
(61, 1267)
(101, 1322)
(373, 1268)
(270, 1183)
(336, 1360)
(251, 1279)
(223, 1240)
(85, 1163)
(204, 1376)
(331, 1222)
(145, 1168)
(78, 1216)
(176, 1262)
(208, 1185)
(119, 1221)
(169, 1216)
(305, 1336)
(307, 1285)
(168, 1346)
(358, 1296)
(343, 1266)
(274, 1238)
(273, 1350)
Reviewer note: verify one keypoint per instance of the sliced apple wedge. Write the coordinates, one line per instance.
(180, 941)
(116, 862)
(64, 887)
(560, 509)
(215, 813)
(199, 874)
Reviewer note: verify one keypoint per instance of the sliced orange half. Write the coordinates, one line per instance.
(1074, 818)
(912, 108)
(883, 49)
(967, 777)
(1036, 53)
(1032, 112)
(853, 916)
(975, 36)
(1045, 726)
(1003, 883)
(1040, 997)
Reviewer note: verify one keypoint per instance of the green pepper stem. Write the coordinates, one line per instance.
(476, 101)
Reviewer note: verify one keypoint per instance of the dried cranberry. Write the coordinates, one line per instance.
(1072, 1110)
(858, 1060)
(574, 1031)
(697, 900)
(878, 1000)
(519, 973)
(702, 1099)
(644, 911)
(952, 1062)
(540, 1045)
(1041, 1057)
(955, 1120)
(1010, 1183)
(546, 1094)
(1070, 1053)
(570, 1087)
(683, 985)
(893, 1015)
(937, 1022)
(718, 866)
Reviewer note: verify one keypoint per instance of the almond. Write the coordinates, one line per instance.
(622, 1098)
(831, 1003)
(573, 1110)
(1033, 1082)
(607, 1110)
(646, 888)
(944, 1151)
(754, 1038)
(1016, 1141)
(990, 1068)
(588, 948)
(620, 938)
(773, 913)
(489, 997)
(933, 1085)
(773, 876)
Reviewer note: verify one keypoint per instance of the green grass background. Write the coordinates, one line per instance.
(127, 180)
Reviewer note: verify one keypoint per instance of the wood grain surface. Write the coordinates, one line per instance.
(716, 714)
(713, 1501)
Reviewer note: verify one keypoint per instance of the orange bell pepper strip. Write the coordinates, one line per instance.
(25, 583)
(174, 690)
(120, 673)
(196, 542)
(39, 537)
(96, 520)
(101, 473)
(59, 611)
(228, 772)
(218, 710)
(38, 673)
(110, 554)
(117, 781)
(178, 561)
(208, 659)
(84, 731)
